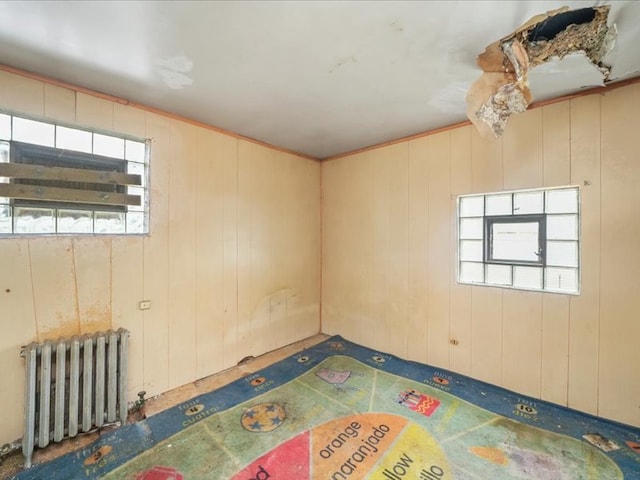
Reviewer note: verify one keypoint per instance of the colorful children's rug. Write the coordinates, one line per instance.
(339, 411)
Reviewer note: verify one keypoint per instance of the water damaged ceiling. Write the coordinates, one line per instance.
(326, 77)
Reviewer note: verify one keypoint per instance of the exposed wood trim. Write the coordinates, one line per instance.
(41, 172)
(147, 108)
(32, 192)
(591, 91)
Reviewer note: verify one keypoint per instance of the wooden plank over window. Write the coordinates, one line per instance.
(41, 172)
(55, 194)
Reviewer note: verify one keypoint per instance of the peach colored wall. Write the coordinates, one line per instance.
(231, 265)
(389, 254)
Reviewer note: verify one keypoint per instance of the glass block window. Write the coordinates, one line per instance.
(57, 179)
(527, 239)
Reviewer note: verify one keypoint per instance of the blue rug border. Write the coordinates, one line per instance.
(131, 440)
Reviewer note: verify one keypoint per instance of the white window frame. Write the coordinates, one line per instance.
(554, 273)
(41, 219)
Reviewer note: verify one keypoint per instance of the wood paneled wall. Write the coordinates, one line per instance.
(231, 264)
(389, 254)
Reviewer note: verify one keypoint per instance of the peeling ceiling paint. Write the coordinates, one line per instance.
(503, 88)
(173, 71)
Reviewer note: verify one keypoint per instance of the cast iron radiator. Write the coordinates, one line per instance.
(73, 385)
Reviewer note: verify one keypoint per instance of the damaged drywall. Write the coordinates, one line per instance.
(503, 88)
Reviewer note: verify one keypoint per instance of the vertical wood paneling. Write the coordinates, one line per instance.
(620, 260)
(59, 103)
(522, 151)
(363, 213)
(486, 302)
(278, 279)
(245, 207)
(54, 287)
(346, 242)
(156, 259)
(127, 271)
(374, 330)
(18, 327)
(522, 312)
(127, 280)
(396, 326)
(521, 341)
(129, 120)
(182, 254)
(418, 281)
(92, 263)
(296, 278)
(229, 199)
(556, 144)
(255, 180)
(438, 240)
(555, 308)
(460, 298)
(20, 94)
(209, 248)
(585, 308)
(93, 111)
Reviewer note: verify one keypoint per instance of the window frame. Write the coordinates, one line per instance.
(121, 166)
(491, 220)
(548, 206)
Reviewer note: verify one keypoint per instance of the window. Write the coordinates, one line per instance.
(56, 179)
(527, 239)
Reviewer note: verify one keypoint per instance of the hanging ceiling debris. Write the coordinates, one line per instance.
(503, 88)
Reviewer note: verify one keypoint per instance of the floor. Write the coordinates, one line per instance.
(12, 463)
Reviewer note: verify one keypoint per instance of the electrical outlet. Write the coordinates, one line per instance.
(144, 304)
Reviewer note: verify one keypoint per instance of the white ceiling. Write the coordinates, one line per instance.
(315, 77)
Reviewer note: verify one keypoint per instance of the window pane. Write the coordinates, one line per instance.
(471, 250)
(515, 241)
(527, 277)
(110, 222)
(108, 146)
(73, 139)
(499, 204)
(5, 219)
(561, 279)
(30, 131)
(134, 151)
(528, 202)
(4, 158)
(562, 201)
(5, 126)
(471, 228)
(499, 274)
(562, 254)
(34, 220)
(135, 222)
(471, 272)
(562, 227)
(472, 206)
(75, 221)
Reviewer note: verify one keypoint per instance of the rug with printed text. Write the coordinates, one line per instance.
(339, 411)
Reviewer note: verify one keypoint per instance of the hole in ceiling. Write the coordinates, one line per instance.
(503, 88)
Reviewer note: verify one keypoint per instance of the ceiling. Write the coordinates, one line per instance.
(316, 77)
